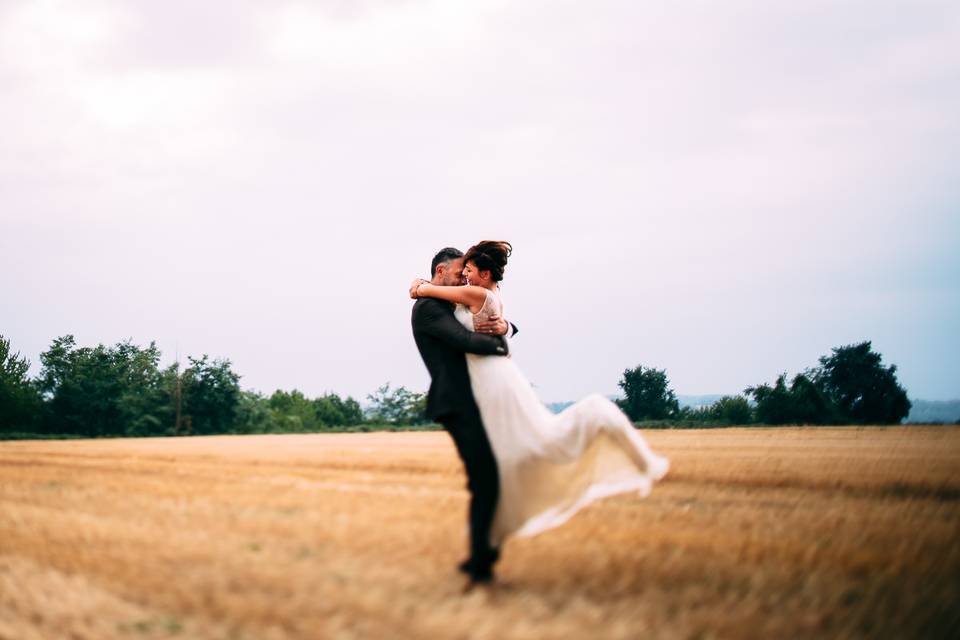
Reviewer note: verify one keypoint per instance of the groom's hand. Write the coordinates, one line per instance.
(495, 326)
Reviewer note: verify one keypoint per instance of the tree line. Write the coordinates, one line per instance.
(122, 391)
(850, 386)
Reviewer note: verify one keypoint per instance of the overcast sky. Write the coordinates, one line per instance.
(722, 189)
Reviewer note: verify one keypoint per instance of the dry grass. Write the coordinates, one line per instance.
(755, 533)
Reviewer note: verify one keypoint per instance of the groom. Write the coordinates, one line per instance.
(442, 342)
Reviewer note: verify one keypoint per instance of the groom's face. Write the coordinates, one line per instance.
(452, 273)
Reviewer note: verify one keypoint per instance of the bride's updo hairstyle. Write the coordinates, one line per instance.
(490, 255)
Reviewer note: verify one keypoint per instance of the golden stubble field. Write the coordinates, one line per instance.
(763, 533)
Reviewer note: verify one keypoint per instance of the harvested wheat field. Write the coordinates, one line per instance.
(764, 533)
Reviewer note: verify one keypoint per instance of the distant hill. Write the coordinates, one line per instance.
(934, 411)
(557, 407)
(922, 411)
(695, 402)
(685, 401)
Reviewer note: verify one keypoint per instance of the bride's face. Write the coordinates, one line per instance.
(474, 276)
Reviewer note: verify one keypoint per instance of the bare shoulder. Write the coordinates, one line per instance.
(489, 306)
(476, 295)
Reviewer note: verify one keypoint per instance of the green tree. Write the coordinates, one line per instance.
(809, 404)
(143, 404)
(211, 395)
(855, 381)
(648, 394)
(254, 414)
(293, 411)
(353, 414)
(332, 411)
(801, 403)
(732, 410)
(19, 400)
(774, 404)
(286, 411)
(102, 390)
(398, 406)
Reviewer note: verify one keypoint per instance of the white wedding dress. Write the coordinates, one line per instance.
(551, 465)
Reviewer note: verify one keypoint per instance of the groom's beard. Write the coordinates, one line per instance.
(454, 282)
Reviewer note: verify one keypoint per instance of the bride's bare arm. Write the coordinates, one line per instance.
(469, 296)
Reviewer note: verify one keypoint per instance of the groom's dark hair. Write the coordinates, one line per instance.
(444, 255)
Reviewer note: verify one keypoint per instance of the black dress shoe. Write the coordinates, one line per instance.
(478, 573)
(472, 569)
(481, 576)
(467, 566)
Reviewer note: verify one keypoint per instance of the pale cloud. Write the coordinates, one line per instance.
(48, 36)
(382, 39)
(722, 190)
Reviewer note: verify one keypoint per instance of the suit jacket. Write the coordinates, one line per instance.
(442, 341)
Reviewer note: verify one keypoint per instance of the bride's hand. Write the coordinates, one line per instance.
(413, 287)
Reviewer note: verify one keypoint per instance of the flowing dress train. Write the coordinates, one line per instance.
(552, 465)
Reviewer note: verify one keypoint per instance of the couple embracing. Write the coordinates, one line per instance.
(528, 470)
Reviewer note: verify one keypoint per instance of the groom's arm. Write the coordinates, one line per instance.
(496, 326)
(435, 319)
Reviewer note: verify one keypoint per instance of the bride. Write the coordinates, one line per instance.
(550, 465)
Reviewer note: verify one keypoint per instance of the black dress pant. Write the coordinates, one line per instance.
(472, 444)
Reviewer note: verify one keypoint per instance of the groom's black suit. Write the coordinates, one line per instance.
(442, 342)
